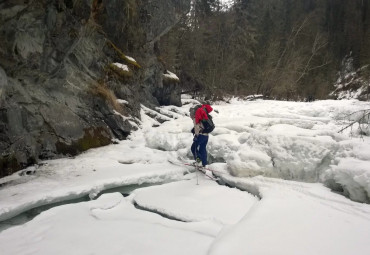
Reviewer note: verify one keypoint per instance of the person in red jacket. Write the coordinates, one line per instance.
(200, 114)
(200, 132)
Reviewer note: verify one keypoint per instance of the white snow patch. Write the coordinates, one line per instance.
(131, 59)
(121, 66)
(189, 202)
(171, 75)
(121, 101)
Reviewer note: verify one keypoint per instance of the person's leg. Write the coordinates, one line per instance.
(195, 150)
(202, 142)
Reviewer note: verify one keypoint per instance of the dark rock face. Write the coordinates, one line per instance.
(57, 94)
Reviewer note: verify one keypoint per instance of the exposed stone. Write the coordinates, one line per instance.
(169, 94)
(3, 84)
(56, 96)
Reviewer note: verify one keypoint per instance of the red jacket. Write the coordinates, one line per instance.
(200, 114)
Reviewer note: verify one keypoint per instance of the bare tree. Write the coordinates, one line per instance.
(361, 119)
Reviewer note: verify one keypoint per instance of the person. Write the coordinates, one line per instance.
(199, 147)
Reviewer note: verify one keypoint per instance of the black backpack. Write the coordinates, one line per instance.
(208, 125)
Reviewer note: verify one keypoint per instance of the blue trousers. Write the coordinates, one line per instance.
(199, 148)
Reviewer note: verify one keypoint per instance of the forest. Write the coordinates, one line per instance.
(281, 49)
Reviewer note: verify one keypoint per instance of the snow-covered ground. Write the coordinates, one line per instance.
(284, 158)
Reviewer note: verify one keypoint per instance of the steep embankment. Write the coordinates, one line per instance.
(58, 82)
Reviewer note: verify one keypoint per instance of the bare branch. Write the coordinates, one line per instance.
(363, 120)
(317, 45)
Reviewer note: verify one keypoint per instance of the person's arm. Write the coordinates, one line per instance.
(197, 128)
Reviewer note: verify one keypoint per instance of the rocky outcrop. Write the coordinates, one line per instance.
(352, 83)
(58, 94)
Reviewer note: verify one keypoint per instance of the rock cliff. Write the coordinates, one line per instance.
(73, 73)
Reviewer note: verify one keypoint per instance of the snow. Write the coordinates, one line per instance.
(283, 161)
(295, 218)
(109, 225)
(171, 76)
(121, 101)
(121, 66)
(178, 200)
(354, 174)
(131, 59)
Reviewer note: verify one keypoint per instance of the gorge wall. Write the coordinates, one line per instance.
(60, 91)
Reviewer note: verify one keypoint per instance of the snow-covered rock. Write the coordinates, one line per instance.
(171, 76)
(351, 82)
